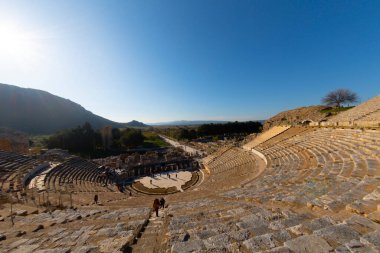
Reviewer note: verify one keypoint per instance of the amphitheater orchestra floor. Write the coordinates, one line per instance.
(166, 180)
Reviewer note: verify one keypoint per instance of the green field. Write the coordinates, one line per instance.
(38, 140)
(153, 140)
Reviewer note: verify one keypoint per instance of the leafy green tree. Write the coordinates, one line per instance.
(132, 138)
(229, 128)
(82, 139)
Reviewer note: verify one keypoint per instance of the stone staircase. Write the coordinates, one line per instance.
(150, 237)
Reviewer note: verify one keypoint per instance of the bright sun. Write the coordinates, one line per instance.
(16, 44)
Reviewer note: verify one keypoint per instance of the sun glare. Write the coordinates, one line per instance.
(16, 44)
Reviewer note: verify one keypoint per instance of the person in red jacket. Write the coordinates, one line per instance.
(156, 206)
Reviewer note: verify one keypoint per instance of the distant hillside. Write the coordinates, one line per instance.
(297, 116)
(39, 112)
(135, 123)
(192, 122)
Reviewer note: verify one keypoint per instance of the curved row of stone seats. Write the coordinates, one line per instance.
(212, 225)
(13, 168)
(215, 155)
(356, 167)
(80, 230)
(265, 136)
(229, 179)
(331, 163)
(78, 175)
(359, 112)
(329, 168)
(287, 134)
(374, 116)
(230, 159)
(229, 167)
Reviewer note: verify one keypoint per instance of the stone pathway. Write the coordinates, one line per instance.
(176, 144)
(151, 236)
(39, 180)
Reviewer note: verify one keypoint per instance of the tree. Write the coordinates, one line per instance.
(132, 138)
(339, 97)
(82, 139)
(187, 134)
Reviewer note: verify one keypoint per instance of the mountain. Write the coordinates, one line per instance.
(192, 122)
(134, 123)
(185, 122)
(39, 112)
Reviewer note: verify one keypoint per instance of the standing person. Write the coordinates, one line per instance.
(162, 203)
(156, 206)
(96, 198)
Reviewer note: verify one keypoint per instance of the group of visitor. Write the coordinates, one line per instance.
(157, 204)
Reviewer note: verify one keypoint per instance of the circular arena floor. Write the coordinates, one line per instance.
(166, 180)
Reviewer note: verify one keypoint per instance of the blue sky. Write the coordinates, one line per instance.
(170, 60)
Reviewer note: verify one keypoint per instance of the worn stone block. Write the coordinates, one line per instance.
(309, 244)
(372, 239)
(187, 247)
(261, 242)
(338, 234)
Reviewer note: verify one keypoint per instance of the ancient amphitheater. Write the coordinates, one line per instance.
(291, 189)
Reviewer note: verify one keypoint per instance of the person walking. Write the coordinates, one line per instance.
(156, 206)
(162, 203)
(96, 199)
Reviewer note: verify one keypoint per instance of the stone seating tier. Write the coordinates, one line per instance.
(13, 169)
(346, 169)
(210, 225)
(79, 175)
(320, 191)
(374, 116)
(265, 136)
(82, 230)
(360, 112)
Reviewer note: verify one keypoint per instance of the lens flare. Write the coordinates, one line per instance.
(17, 44)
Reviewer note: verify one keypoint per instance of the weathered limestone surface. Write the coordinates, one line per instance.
(187, 247)
(309, 244)
(116, 244)
(318, 193)
(372, 239)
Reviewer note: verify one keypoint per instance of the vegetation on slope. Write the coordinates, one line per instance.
(211, 130)
(84, 140)
(39, 112)
(330, 111)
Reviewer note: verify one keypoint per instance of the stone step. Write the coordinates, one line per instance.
(374, 216)
(148, 248)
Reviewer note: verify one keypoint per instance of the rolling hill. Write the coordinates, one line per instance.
(193, 122)
(39, 112)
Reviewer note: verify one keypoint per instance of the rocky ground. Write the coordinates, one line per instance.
(296, 116)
